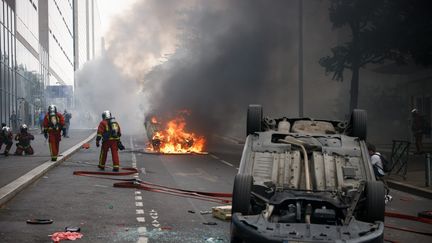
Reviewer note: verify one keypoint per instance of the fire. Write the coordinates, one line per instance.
(174, 139)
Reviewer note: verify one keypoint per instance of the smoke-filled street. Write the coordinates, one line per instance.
(246, 121)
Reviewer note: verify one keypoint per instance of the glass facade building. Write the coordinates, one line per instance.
(42, 43)
(8, 84)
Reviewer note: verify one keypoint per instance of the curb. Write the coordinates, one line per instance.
(418, 191)
(10, 190)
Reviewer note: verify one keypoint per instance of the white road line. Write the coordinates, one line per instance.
(142, 232)
(214, 156)
(227, 163)
(142, 240)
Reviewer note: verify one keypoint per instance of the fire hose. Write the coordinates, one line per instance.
(217, 197)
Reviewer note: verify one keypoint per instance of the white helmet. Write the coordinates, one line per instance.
(23, 128)
(106, 115)
(6, 129)
(52, 109)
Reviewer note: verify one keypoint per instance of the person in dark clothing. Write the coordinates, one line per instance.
(41, 121)
(14, 121)
(24, 138)
(418, 126)
(6, 138)
(377, 166)
(67, 117)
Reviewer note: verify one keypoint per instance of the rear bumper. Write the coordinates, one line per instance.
(255, 228)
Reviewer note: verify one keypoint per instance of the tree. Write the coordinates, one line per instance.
(397, 30)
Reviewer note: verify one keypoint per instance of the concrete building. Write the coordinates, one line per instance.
(87, 26)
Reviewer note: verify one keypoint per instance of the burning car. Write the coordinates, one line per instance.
(171, 137)
(306, 180)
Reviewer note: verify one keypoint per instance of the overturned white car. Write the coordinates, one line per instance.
(306, 180)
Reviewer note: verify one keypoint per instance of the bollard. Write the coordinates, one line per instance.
(428, 169)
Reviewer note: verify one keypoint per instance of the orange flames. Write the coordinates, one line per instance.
(174, 139)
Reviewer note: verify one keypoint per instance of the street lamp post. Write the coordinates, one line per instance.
(300, 58)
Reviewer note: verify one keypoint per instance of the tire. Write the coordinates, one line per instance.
(242, 194)
(359, 124)
(254, 119)
(233, 236)
(374, 204)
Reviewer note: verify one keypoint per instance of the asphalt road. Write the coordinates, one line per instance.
(108, 214)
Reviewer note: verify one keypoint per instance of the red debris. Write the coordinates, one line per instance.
(58, 236)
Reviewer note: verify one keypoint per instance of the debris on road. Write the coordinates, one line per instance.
(72, 229)
(39, 221)
(166, 228)
(205, 212)
(214, 240)
(222, 212)
(85, 146)
(210, 223)
(191, 211)
(58, 236)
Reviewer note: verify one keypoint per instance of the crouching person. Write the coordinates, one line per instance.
(24, 138)
(6, 138)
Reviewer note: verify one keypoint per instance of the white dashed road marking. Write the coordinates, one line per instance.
(221, 160)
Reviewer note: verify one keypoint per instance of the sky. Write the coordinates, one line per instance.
(109, 9)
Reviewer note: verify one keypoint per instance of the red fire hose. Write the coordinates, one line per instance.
(216, 197)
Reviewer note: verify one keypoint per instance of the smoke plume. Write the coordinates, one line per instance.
(210, 57)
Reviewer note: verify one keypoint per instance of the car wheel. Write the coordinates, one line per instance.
(242, 194)
(359, 124)
(374, 203)
(254, 119)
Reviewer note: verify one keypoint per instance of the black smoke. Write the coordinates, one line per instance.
(229, 54)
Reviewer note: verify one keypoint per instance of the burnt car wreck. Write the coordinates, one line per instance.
(170, 136)
(305, 180)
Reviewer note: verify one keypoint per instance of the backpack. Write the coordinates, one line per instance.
(387, 166)
(114, 129)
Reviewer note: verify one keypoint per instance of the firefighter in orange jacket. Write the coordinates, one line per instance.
(109, 132)
(53, 126)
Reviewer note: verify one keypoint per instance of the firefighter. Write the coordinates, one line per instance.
(109, 132)
(53, 126)
(23, 138)
(6, 138)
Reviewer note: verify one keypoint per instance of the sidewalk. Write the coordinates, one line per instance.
(19, 171)
(414, 181)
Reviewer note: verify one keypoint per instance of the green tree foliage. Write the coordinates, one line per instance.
(397, 30)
